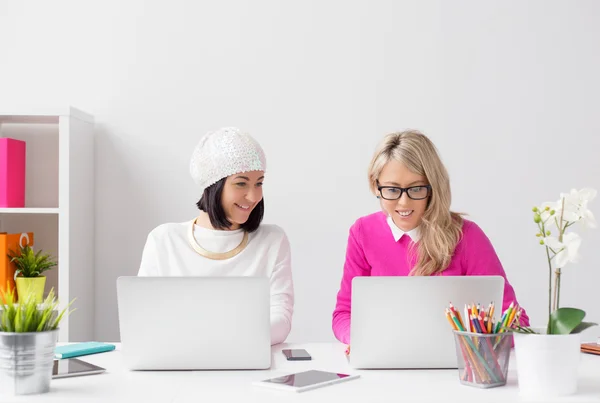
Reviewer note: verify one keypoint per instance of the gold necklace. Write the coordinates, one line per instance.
(214, 255)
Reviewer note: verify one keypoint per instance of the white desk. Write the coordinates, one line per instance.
(120, 385)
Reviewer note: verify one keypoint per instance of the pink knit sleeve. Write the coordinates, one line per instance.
(355, 265)
(481, 260)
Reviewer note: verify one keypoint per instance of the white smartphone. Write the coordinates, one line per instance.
(74, 367)
(301, 381)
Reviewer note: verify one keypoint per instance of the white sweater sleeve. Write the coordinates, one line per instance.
(149, 264)
(282, 294)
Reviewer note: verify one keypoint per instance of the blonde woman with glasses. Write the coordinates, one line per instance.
(416, 234)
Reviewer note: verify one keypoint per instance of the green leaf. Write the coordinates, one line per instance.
(523, 330)
(565, 320)
(28, 315)
(30, 264)
(582, 326)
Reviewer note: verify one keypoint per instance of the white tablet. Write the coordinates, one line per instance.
(74, 367)
(301, 381)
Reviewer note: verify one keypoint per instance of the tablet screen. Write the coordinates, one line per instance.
(306, 378)
(73, 367)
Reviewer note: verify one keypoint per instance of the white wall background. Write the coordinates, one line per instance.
(509, 91)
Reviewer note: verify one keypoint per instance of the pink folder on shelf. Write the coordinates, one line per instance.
(12, 173)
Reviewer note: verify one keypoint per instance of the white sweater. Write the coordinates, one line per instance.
(168, 253)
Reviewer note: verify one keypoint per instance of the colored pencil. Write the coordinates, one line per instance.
(479, 354)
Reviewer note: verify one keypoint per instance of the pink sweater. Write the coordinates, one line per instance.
(372, 251)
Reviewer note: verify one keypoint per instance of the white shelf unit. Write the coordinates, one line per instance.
(59, 204)
(29, 210)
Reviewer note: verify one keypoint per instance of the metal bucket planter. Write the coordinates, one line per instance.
(26, 361)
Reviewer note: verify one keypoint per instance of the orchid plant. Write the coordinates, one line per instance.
(553, 221)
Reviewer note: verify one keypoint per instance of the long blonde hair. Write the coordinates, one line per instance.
(440, 229)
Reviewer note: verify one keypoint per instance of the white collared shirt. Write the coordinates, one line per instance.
(414, 233)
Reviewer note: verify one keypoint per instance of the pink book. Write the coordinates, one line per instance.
(12, 173)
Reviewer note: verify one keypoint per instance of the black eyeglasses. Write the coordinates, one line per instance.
(413, 192)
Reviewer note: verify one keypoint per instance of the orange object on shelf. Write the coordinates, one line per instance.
(8, 243)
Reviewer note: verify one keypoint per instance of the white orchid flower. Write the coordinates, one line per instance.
(576, 206)
(587, 219)
(567, 250)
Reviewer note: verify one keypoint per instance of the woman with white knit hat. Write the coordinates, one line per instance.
(227, 237)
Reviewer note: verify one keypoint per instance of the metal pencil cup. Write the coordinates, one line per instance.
(483, 358)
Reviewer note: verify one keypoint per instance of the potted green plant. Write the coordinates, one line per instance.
(548, 357)
(29, 269)
(28, 335)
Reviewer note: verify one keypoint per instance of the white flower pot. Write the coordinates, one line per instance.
(547, 365)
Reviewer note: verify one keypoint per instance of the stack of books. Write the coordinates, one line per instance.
(591, 348)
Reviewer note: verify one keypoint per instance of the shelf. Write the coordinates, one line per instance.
(29, 210)
(59, 166)
(45, 115)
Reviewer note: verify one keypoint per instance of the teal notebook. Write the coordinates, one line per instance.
(79, 349)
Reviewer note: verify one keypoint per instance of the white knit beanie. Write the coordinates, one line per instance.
(226, 151)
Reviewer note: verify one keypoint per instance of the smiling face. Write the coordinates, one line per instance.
(406, 212)
(241, 193)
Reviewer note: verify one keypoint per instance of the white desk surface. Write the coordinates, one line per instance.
(118, 384)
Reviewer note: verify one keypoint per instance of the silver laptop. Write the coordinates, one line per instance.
(399, 322)
(194, 323)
